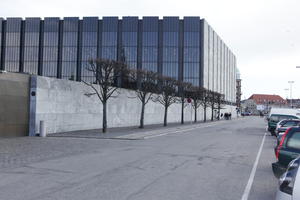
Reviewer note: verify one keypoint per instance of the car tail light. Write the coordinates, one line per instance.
(281, 142)
(287, 180)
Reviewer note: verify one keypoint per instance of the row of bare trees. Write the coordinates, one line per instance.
(148, 86)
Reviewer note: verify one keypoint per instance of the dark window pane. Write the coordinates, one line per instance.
(150, 38)
(109, 39)
(170, 54)
(191, 54)
(191, 39)
(150, 54)
(170, 38)
(50, 69)
(109, 53)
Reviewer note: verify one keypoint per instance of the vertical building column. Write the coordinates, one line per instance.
(201, 56)
(139, 45)
(41, 49)
(119, 50)
(21, 65)
(60, 44)
(79, 51)
(160, 46)
(99, 39)
(180, 51)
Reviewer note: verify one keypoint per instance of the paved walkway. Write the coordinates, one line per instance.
(134, 133)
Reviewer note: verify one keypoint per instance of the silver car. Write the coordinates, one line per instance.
(289, 182)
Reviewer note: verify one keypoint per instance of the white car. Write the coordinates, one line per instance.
(289, 182)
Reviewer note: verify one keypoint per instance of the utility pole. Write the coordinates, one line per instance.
(291, 85)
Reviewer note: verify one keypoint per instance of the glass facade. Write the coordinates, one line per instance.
(69, 48)
(170, 47)
(89, 46)
(31, 45)
(129, 41)
(50, 46)
(150, 44)
(13, 44)
(187, 49)
(109, 37)
(191, 50)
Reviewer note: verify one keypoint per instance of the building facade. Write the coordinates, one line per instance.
(187, 49)
(238, 90)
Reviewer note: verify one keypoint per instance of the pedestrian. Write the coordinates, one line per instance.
(226, 116)
(229, 115)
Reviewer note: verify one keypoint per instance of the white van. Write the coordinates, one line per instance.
(278, 114)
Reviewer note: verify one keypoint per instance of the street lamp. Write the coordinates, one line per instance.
(291, 85)
(287, 92)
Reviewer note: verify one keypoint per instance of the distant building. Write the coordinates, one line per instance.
(238, 89)
(293, 102)
(265, 101)
(249, 105)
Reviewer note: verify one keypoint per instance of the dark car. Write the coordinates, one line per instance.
(283, 125)
(287, 150)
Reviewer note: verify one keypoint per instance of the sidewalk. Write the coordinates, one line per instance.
(135, 133)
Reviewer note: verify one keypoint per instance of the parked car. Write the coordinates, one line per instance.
(287, 150)
(289, 182)
(246, 113)
(283, 125)
(278, 114)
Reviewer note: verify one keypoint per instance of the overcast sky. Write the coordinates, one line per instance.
(263, 34)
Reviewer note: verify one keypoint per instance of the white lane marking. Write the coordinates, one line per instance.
(179, 131)
(253, 171)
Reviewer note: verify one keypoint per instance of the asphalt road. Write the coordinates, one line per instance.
(212, 161)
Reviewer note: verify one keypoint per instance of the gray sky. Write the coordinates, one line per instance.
(263, 34)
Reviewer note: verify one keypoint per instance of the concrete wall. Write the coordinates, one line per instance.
(14, 104)
(64, 107)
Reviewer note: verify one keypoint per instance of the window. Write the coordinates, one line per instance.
(290, 123)
(294, 141)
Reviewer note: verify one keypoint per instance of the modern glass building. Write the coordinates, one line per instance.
(187, 49)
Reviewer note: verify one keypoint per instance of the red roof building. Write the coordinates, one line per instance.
(267, 98)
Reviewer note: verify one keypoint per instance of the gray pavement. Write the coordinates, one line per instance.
(205, 161)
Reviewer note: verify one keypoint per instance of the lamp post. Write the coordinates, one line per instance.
(291, 85)
(287, 92)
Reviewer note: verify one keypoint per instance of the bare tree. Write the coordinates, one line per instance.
(105, 73)
(196, 95)
(213, 100)
(220, 101)
(184, 88)
(205, 102)
(167, 94)
(146, 86)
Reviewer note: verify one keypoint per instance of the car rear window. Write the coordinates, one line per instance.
(277, 118)
(294, 141)
(290, 123)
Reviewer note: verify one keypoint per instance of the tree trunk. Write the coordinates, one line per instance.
(195, 120)
(166, 115)
(104, 121)
(182, 111)
(142, 115)
(204, 112)
(219, 111)
(212, 112)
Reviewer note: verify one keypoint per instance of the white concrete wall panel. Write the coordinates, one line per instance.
(64, 107)
(211, 58)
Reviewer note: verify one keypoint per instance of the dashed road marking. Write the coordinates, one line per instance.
(253, 171)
